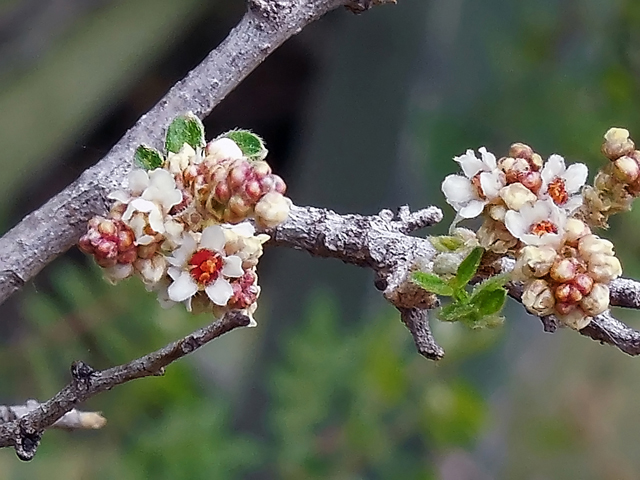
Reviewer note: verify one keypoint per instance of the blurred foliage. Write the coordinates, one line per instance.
(338, 397)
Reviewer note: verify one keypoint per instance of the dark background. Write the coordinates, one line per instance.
(360, 113)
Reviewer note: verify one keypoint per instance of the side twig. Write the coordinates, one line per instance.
(24, 433)
(72, 420)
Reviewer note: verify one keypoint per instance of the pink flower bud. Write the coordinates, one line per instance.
(563, 270)
(584, 283)
(617, 143)
(626, 169)
(567, 293)
(538, 298)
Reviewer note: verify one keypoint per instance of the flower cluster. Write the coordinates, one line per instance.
(182, 226)
(534, 212)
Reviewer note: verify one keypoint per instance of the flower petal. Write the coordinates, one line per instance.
(472, 209)
(458, 189)
(488, 158)
(575, 177)
(138, 181)
(156, 221)
(120, 196)
(213, 238)
(219, 291)
(469, 163)
(553, 168)
(516, 223)
(244, 228)
(184, 287)
(491, 183)
(232, 266)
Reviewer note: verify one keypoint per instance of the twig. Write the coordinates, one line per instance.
(72, 420)
(24, 433)
(56, 226)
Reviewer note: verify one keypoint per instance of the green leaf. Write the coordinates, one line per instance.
(184, 129)
(489, 302)
(446, 243)
(432, 283)
(458, 312)
(468, 268)
(494, 283)
(251, 144)
(147, 158)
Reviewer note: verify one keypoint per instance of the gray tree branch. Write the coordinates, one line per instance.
(72, 420)
(24, 432)
(56, 226)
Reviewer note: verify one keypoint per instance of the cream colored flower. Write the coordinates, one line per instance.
(480, 184)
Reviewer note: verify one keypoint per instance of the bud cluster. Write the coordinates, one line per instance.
(181, 227)
(618, 183)
(534, 212)
(227, 187)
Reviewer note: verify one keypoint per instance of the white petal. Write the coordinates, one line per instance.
(232, 266)
(575, 177)
(145, 240)
(156, 221)
(458, 189)
(120, 196)
(472, 209)
(184, 287)
(553, 168)
(174, 272)
(173, 197)
(118, 272)
(245, 229)
(491, 183)
(470, 163)
(488, 158)
(219, 291)
(138, 180)
(516, 224)
(142, 205)
(213, 238)
(188, 245)
(572, 204)
(162, 180)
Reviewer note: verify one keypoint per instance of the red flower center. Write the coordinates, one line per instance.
(545, 226)
(557, 191)
(475, 181)
(205, 266)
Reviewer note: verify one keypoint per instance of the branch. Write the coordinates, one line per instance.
(56, 226)
(25, 432)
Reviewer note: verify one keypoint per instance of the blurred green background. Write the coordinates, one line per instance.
(360, 113)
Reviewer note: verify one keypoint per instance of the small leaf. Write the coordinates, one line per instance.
(446, 243)
(468, 268)
(147, 158)
(251, 144)
(432, 283)
(494, 283)
(458, 312)
(184, 129)
(489, 302)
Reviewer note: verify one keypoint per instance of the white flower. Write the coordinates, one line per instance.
(540, 223)
(563, 184)
(201, 264)
(272, 209)
(149, 200)
(480, 184)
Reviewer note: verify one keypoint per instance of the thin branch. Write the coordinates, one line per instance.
(72, 420)
(25, 432)
(56, 226)
(417, 321)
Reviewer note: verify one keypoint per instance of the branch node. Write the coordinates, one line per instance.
(82, 374)
(27, 444)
